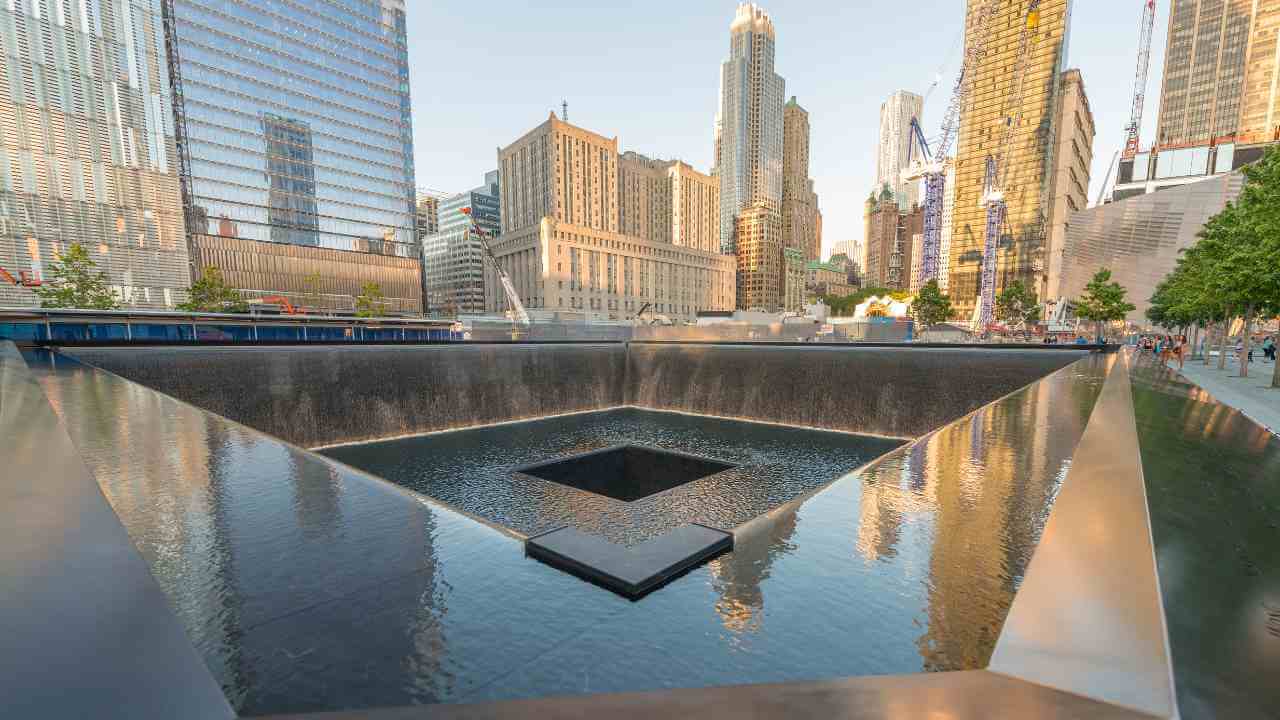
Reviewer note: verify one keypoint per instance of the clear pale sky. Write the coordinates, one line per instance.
(485, 73)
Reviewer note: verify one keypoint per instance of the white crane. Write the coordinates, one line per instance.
(517, 308)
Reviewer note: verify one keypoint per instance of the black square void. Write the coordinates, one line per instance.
(626, 472)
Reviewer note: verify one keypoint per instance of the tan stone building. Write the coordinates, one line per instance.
(890, 239)
(1028, 160)
(571, 230)
(644, 189)
(800, 219)
(1069, 184)
(793, 283)
(758, 238)
(695, 208)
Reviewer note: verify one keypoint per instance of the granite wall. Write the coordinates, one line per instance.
(316, 396)
(898, 391)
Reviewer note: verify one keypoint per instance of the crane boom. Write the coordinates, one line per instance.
(1140, 79)
(932, 166)
(517, 307)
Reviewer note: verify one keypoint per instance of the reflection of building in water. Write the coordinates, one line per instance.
(225, 517)
(984, 486)
(737, 575)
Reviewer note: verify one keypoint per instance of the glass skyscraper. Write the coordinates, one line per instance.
(87, 152)
(452, 259)
(296, 119)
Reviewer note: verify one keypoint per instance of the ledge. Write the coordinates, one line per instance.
(634, 571)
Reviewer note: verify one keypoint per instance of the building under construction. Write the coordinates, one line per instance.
(1027, 156)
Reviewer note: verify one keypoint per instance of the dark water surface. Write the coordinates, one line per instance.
(308, 586)
(1213, 485)
(472, 470)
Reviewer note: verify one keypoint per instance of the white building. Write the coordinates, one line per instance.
(894, 140)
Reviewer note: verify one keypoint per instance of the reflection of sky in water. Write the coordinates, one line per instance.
(308, 586)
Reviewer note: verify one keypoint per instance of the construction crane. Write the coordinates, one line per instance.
(25, 278)
(997, 170)
(517, 308)
(931, 166)
(1140, 79)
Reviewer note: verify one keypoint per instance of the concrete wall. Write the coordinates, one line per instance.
(315, 396)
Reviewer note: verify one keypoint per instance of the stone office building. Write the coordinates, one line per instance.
(577, 240)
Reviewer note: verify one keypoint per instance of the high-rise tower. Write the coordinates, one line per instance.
(891, 150)
(749, 158)
(1027, 160)
(799, 201)
(1204, 68)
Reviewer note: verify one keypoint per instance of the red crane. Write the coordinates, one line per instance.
(1140, 79)
(25, 278)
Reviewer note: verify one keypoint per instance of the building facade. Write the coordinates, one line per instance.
(890, 239)
(1028, 156)
(562, 193)
(761, 272)
(1069, 185)
(1260, 104)
(644, 189)
(87, 150)
(1139, 238)
(428, 214)
(892, 146)
(296, 120)
(800, 219)
(750, 122)
(1204, 67)
(453, 258)
(793, 280)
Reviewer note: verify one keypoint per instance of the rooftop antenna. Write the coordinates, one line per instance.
(564, 110)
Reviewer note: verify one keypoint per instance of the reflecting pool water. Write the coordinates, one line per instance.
(473, 469)
(306, 585)
(1213, 484)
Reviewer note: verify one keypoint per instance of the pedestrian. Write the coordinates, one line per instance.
(1181, 350)
(1269, 348)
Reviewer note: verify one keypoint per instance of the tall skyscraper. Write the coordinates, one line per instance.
(87, 151)
(892, 147)
(1028, 158)
(749, 155)
(296, 121)
(1204, 67)
(452, 258)
(799, 201)
(590, 234)
(761, 262)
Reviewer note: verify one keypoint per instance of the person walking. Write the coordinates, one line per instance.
(1269, 348)
(1181, 350)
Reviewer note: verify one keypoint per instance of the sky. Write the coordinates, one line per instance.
(483, 74)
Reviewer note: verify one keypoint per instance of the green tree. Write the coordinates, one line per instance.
(1017, 305)
(1251, 266)
(371, 302)
(212, 294)
(1103, 301)
(74, 281)
(931, 306)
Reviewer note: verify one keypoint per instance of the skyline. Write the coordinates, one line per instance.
(657, 89)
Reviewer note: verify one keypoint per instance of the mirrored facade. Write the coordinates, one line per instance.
(452, 259)
(297, 120)
(87, 152)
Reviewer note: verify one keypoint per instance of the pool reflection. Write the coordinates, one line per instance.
(309, 586)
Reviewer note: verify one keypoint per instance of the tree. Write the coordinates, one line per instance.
(1252, 265)
(1017, 305)
(371, 302)
(212, 294)
(1103, 301)
(74, 281)
(931, 306)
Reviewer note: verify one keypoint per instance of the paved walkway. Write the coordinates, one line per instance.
(1253, 395)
